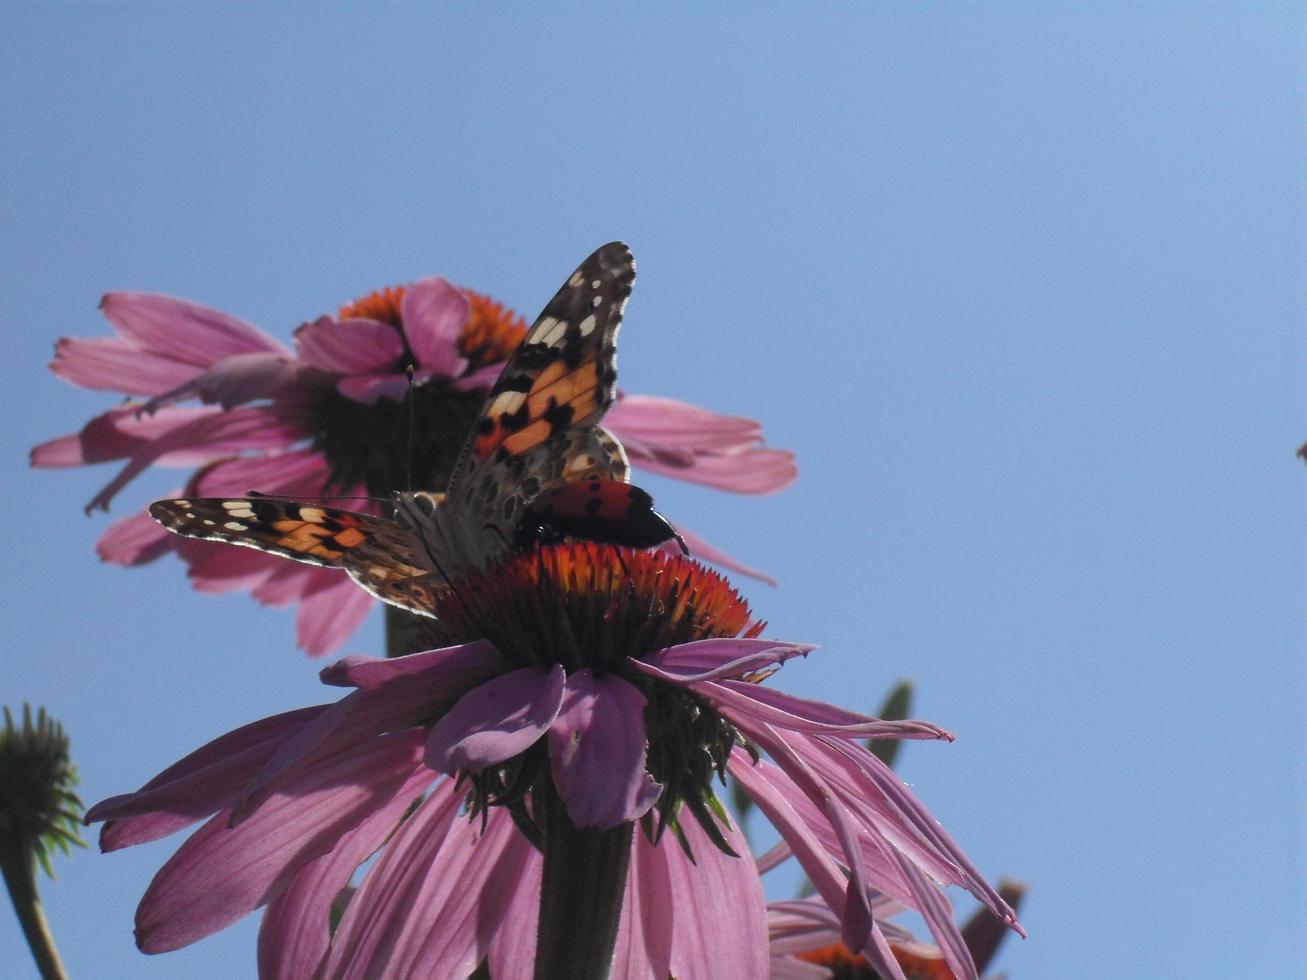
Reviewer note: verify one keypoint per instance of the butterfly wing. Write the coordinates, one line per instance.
(540, 424)
(380, 555)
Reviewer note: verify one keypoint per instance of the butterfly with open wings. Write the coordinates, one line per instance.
(537, 468)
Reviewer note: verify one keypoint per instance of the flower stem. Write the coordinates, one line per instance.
(19, 869)
(581, 893)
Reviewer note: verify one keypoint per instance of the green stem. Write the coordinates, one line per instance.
(19, 869)
(581, 892)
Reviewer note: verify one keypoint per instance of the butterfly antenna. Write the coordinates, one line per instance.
(412, 424)
(295, 498)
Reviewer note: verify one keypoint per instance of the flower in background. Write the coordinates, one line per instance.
(38, 812)
(333, 417)
(805, 941)
(609, 686)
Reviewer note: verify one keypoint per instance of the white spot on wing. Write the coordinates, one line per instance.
(595, 283)
(507, 401)
(235, 526)
(587, 325)
(314, 515)
(552, 330)
(576, 278)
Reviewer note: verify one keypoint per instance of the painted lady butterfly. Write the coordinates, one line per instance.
(537, 467)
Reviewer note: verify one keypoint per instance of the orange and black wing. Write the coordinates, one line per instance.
(379, 554)
(542, 417)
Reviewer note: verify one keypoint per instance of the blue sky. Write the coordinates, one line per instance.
(1019, 284)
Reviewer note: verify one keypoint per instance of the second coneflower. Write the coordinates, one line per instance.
(557, 762)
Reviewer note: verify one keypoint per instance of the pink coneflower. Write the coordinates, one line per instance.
(332, 417)
(805, 941)
(564, 749)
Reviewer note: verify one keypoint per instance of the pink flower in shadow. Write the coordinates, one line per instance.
(625, 683)
(331, 417)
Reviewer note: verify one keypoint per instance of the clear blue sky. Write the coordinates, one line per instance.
(1020, 285)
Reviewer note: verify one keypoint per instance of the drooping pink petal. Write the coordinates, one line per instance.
(465, 898)
(512, 952)
(774, 707)
(856, 914)
(122, 431)
(327, 618)
(233, 381)
(497, 720)
(356, 345)
(644, 937)
(197, 785)
(183, 330)
(825, 876)
(295, 930)
(597, 747)
(393, 694)
(704, 551)
(480, 378)
(134, 540)
(221, 872)
(112, 364)
(365, 939)
(216, 568)
(297, 473)
(719, 907)
(434, 313)
(705, 660)
(938, 914)
(254, 428)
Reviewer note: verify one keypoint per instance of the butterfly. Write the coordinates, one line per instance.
(537, 467)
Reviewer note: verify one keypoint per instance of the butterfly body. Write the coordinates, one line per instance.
(538, 434)
(607, 511)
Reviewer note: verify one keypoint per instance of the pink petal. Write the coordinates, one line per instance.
(213, 567)
(183, 330)
(828, 879)
(465, 899)
(298, 473)
(512, 952)
(496, 720)
(644, 937)
(294, 933)
(676, 423)
(111, 364)
(356, 345)
(221, 873)
(435, 313)
(254, 428)
(759, 704)
(755, 471)
(119, 433)
(365, 939)
(407, 691)
(704, 551)
(134, 540)
(597, 749)
(233, 381)
(719, 906)
(198, 784)
(327, 618)
(481, 378)
(702, 660)
(460, 668)
(938, 913)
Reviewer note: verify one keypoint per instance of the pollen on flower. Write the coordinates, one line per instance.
(384, 304)
(492, 333)
(583, 604)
